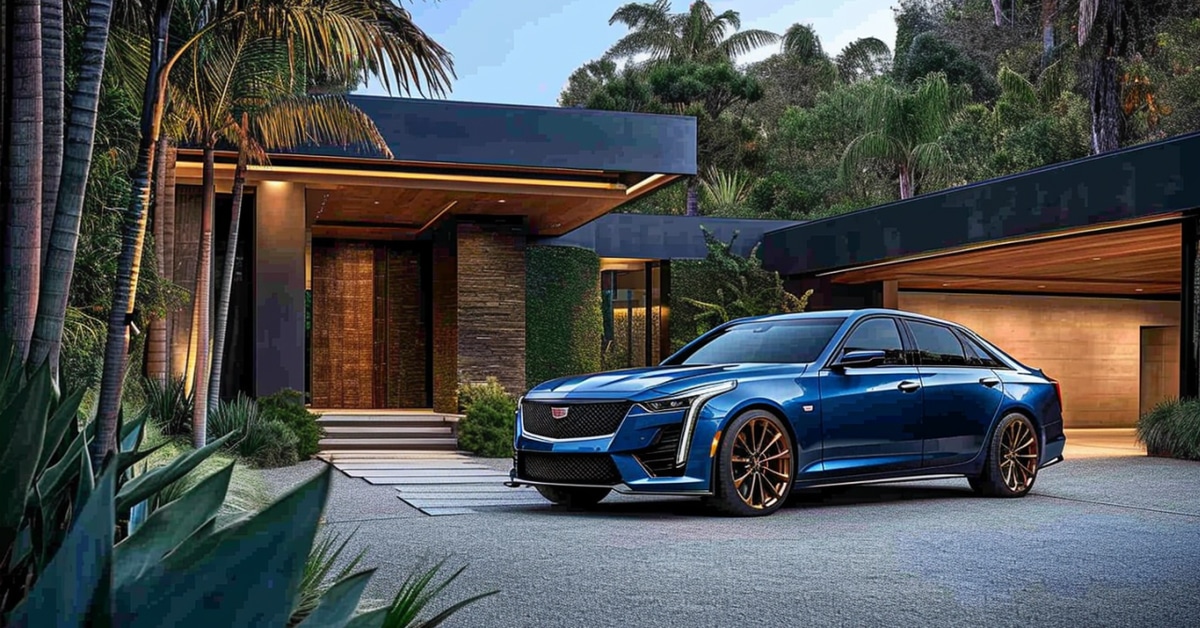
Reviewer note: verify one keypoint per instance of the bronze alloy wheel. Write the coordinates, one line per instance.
(1018, 456)
(761, 464)
(1013, 456)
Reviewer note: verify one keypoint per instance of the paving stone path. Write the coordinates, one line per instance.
(436, 483)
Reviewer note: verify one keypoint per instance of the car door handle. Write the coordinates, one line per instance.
(908, 386)
(989, 381)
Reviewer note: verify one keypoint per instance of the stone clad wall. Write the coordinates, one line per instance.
(491, 303)
(445, 324)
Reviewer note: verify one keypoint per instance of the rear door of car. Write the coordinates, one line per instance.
(871, 417)
(962, 394)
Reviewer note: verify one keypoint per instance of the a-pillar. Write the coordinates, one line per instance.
(478, 306)
(279, 268)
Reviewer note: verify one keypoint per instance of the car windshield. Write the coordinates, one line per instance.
(767, 342)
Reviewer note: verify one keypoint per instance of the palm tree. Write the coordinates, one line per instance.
(22, 201)
(864, 59)
(801, 42)
(699, 35)
(905, 127)
(363, 37)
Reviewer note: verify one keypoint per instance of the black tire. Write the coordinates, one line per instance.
(752, 496)
(574, 496)
(1013, 457)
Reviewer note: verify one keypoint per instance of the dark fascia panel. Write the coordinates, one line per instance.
(1138, 182)
(646, 236)
(440, 131)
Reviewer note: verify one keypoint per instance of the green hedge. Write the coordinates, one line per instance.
(1172, 429)
(690, 279)
(563, 324)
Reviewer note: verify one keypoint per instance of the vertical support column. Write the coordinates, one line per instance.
(664, 304)
(490, 256)
(279, 277)
(649, 316)
(445, 321)
(1189, 347)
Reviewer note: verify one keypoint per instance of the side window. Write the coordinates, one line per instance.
(877, 334)
(976, 354)
(937, 345)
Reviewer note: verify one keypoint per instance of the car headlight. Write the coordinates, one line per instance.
(685, 399)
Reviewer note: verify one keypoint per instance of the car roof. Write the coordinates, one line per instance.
(849, 314)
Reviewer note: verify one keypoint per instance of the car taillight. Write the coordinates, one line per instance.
(1057, 390)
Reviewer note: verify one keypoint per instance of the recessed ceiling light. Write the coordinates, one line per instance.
(1095, 259)
(945, 284)
(376, 202)
(1041, 286)
(1138, 290)
(501, 201)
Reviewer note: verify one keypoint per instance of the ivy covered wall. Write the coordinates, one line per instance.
(563, 324)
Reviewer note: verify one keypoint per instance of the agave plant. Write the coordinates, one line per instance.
(726, 193)
(78, 549)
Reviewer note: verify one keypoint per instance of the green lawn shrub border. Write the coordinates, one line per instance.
(563, 324)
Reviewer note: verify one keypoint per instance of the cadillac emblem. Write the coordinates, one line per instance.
(559, 413)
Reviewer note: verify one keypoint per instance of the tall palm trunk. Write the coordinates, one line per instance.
(1049, 12)
(202, 298)
(239, 188)
(998, 10)
(52, 112)
(156, 341)
(906, 182)
(693, 197)
(22, 192)
(76, 163)
(133, 237)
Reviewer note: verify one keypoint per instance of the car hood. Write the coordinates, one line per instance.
(655, 381)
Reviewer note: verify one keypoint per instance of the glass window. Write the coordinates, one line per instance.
(937, 345)
(976, 354)
(775, 342)
(877, 334)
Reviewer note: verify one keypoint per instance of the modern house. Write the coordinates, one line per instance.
(415, 267)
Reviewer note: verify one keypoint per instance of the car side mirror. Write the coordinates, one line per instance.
(861, 359)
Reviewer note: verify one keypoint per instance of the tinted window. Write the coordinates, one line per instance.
(937, 345)
(877, 334)
(776, 342)
(976, 354)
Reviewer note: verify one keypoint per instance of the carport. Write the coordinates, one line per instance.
(1085, 269)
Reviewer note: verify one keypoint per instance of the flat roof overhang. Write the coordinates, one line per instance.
(558, 168)
(1045, 224)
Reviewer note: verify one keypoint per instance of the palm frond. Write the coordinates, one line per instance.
(866, 147)
(801, 42)
(930, 162)
(863, 59)
(743, 42)
(294, 121)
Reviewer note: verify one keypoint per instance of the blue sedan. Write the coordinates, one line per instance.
(761, 406)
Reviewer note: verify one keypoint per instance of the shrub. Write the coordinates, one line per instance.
(563, 324)
(487, 429)
(232, 416)
(287, 407)
(169, 405)
(259, 440)
(1172, 429)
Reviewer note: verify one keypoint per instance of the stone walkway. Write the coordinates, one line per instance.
(436, 483)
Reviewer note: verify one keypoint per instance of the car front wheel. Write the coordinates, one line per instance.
(573, 496)
(1012, 460)
(754, 466)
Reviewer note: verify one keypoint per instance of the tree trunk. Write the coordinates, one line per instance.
(52, 112)
(203, 294)
(156, 341)
(133, 237)
(998, 10)
(1049, 12)
(1106, 88)
(239, 187)
(693, 196)
(77, 161)
(21, 194)
(906, 182)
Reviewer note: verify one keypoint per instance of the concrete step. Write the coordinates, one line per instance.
(377, 444)
(387, 431)
(416, 420)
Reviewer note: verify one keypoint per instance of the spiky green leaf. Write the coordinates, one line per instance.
(336, 608)
(22, 434)
(147, 484)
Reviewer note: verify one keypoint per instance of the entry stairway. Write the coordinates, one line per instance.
(387, 431)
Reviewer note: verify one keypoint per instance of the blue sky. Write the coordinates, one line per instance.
(522, 51)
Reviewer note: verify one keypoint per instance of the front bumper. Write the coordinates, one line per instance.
(636, 459)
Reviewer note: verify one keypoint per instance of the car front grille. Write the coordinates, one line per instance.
(567, 468)
(583, 420)
(659, 459)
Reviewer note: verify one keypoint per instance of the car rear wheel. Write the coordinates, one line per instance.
(754, 466)
(1012, 462)
(573, 496)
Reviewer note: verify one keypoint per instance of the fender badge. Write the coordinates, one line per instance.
(808, 408)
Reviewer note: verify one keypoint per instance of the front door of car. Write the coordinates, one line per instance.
(962, 394)
(871, 416)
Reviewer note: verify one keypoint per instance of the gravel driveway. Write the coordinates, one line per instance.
(1099, 542)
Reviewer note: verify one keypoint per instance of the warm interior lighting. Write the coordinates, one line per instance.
(643, 183)
(301, 171)
(1041, 286)
(1138, 290)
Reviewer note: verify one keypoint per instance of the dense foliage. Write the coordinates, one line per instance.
(811, 133)
(489, 421)
(1172, 429)
(724, 286)
(286, 407)
(562, 313)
